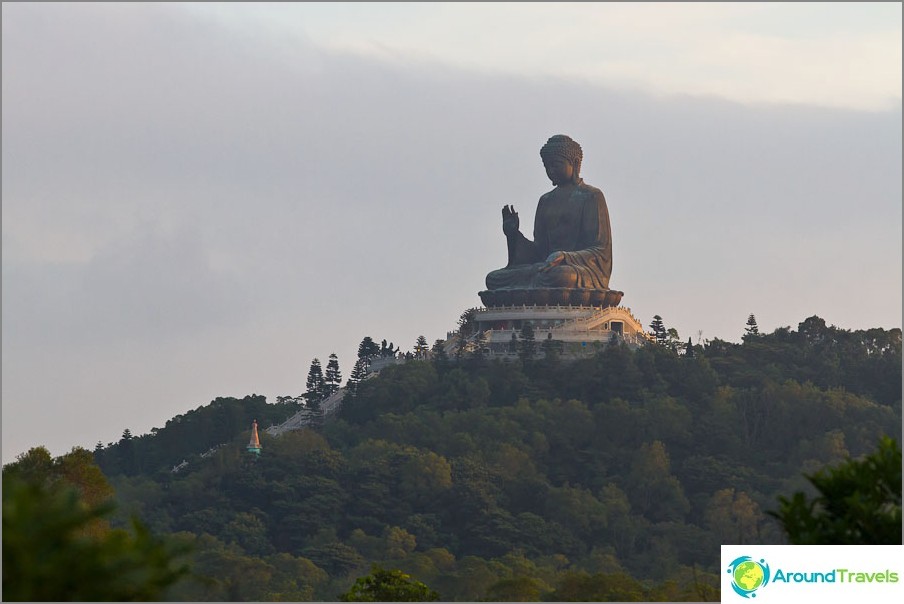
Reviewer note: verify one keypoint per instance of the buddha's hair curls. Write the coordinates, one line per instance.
(563, 146)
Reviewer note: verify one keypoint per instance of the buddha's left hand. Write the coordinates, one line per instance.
(553, 260)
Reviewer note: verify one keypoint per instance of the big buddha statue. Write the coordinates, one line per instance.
(569, 260)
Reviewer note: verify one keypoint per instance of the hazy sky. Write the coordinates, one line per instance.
(198, 199)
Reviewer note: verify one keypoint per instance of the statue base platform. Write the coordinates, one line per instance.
(577, 330)
(551, 297)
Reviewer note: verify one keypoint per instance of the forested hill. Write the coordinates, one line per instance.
(190, 435)
(612, 477)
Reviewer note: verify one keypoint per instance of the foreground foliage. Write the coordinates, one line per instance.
(57, 545)
(859, 502)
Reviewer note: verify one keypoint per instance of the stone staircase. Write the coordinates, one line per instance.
(330, 406)
(306, 416)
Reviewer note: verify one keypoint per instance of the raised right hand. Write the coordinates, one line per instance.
(510, 222)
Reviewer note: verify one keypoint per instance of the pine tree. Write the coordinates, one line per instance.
(367, 350)
(752, 330)
(315, 384)
(673, 339)
(467, 327)
(659, 331)
(127, 453)
(421, 348)
(438, 352)
(333, 377)
(359, 372)
(467, 323)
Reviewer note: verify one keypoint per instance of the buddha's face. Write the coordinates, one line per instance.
(558, 169)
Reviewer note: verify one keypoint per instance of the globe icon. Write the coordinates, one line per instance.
(748, 575)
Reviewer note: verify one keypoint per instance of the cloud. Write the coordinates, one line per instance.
(837, 55)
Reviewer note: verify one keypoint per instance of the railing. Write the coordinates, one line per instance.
(524, 309)
(306, 415)
(329, 406)
(502, 350)
(534, 307)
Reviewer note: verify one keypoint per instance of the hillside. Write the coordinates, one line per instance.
(612, 477)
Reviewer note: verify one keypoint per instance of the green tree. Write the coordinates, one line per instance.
(127, 452)
(222, 573)
(859, 502)
(733, 517)
(388, 586)
(75, 469)
(673, 339)
(315, 384)
(659, 331)
(467, 328)
(52, 553)
(421, 348)
(333, 377)
(248, 531)
(517, 589)
(752, 330)
(438, 351)
(467, 322)
(655, 491)
(359, 372)
(397, 542)
(367, 350)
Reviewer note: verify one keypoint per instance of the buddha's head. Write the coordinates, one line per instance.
(561, 157)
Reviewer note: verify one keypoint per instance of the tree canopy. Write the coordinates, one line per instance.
(858, 502)
(57, 545)
(619, 473)
(383, 585)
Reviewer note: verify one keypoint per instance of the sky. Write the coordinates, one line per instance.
(199, 199)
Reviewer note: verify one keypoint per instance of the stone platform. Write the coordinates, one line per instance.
(550, 297)
(578, 330)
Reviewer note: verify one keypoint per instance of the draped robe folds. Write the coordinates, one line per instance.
(576, 223)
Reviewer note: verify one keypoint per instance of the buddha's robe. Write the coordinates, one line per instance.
(574, 220)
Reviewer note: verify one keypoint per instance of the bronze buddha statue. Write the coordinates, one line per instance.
(569, 260)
